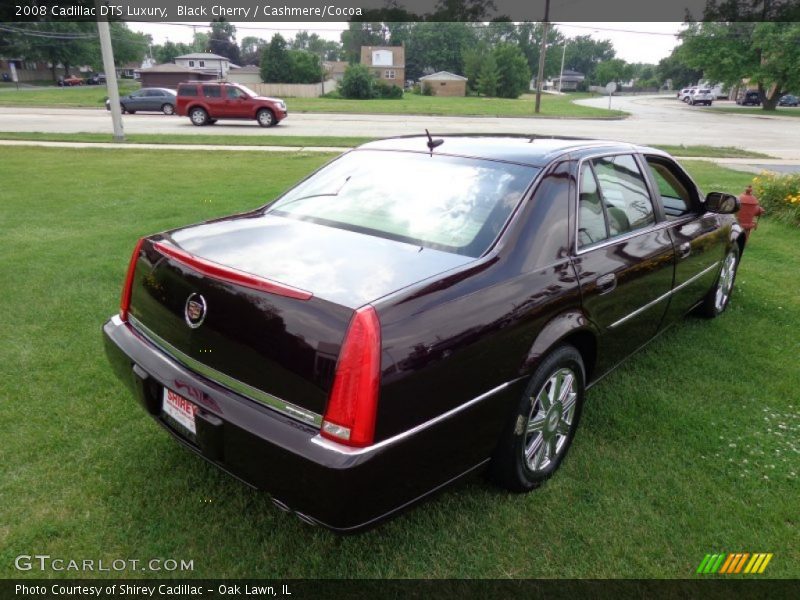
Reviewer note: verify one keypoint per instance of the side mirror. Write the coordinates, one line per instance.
(722, 203)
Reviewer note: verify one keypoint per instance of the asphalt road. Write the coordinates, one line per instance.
(655, 120)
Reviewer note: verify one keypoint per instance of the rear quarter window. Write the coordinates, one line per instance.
(187, 90)
(212, 91)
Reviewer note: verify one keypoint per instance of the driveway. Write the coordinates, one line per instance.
(656, 120)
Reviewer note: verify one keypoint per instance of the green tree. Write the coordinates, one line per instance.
(276, 64)
(357, 83)
(488, 77)
(167, 52)
(250, 49)
(616, 70)
(360, 34)
(768, 54)
(583, 54)
(222, 40)
(513, 75)
(435, 47)
(674, 68)
(305, 67)
(474, 59)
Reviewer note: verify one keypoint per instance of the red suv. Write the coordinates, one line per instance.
(205, 102)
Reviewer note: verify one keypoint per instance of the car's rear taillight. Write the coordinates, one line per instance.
(125, 301)
(350, 416)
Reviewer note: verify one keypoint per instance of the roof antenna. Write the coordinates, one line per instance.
(432, 143)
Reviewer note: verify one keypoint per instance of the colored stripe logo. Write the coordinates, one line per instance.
(734, 562)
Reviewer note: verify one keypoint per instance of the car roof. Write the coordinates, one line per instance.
(537, 151)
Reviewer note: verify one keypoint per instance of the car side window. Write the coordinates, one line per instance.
(212, 91)
(153, 93)
(625, 197)
(592, 226)
(675, 194)
(234, 93)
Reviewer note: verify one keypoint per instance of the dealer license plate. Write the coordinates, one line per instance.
(180, 409)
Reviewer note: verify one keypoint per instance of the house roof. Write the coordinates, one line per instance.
(443, 76)
(335, 66)
(202, 56)
(169, 68)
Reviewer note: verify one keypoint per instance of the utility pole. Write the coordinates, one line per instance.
(561, 76)
(542, 50)
(111, 78)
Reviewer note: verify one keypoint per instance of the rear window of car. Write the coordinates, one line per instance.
(187, 90)
(454, 204)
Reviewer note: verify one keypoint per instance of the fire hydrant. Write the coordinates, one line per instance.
(749, 210)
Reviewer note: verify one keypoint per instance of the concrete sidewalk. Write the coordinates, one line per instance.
(750, 165)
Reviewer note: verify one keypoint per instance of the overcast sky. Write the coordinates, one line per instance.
(634, 42)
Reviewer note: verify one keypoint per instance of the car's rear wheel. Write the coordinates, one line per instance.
(168, 109)
(198, 116)
(265, 117)
(718, 297)
(541, 431)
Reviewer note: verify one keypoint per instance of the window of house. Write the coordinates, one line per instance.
(202, 63)
(388, 74)
(382, 58)
(191, 63)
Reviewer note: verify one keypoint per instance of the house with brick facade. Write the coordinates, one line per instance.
(387, 63)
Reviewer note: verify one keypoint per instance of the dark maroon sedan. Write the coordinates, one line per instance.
(414, 311)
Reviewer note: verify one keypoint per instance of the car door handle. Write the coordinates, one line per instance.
(684, 250)
(606, 283)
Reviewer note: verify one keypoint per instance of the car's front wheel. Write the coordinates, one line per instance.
(198, 116)
(541, 431)
(718, 297)
(265, 117)
(168, 109)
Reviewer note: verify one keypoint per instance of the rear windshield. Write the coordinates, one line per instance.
(448, 203)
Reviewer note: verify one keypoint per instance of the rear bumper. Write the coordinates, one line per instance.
(324, 483)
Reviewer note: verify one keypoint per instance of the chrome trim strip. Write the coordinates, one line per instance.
(641, 309)
(273, 402)
(342, 449)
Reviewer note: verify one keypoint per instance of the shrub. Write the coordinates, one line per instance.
(779, 195)
(427, 89)
(513, 75)
(357, 83)
(385, 90)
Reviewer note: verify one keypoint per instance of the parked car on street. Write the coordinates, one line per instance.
(415, 311)
(700, 96)
(147, 99)
(72, 80)
(207, 102)
(686, 93)
(788, 100)
(751, 97)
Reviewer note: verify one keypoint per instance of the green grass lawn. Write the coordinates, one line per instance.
(690, 448)
(80, 96)
(410, 104)
(413, 104)
(269, 139)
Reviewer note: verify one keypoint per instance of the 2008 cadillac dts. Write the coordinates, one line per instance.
(415, 310)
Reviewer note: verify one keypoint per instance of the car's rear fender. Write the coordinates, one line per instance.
(569, 327)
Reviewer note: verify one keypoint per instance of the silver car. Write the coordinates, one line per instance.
(150, 99)
(701, 96)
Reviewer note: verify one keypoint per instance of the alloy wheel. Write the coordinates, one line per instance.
(550, 420)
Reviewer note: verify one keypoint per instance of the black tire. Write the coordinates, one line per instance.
(719, 296)
(122, 108)
(519, 463)
(265, 117)
(131, 112)
(168, 109)
(211, 121)
(198, 116)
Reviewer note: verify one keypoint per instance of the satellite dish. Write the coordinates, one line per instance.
(611, 87)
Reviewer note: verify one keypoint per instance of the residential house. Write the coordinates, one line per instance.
(445, 83)
(387, 63)
(334, 69)
(568, 81)
(206, 62)
(169, 76)
(245, 75)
